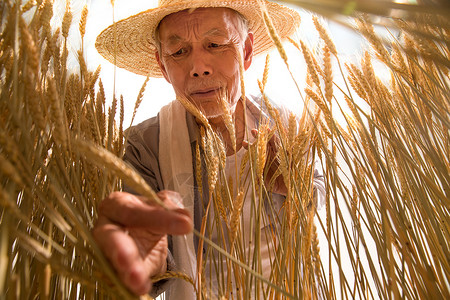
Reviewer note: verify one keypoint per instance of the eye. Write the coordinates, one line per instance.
(214, 45)
(179, 52)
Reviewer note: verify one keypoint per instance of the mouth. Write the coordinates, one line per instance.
(207, 92)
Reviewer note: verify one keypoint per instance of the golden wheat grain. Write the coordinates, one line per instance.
(9, 171)
(100, 118)
(306, 245)
(274, 114)
(56, 55)
(219, 203)
(115, 165)
(198, 170)
(292, 131)
(317, 100)
(46, 59)
(367, 68)
(300, 148)
(357, 81)
(120, 139)
(398, 61)
(69, 100)
(266, 72)
(274, 35)
(90, 82)
(34, 103)
(194, 111)
(139, 99)
(384, 97)
(261, 146)
(90, 125)
(412, 56)
(310, 64)
(67, 21)
(83, 18)
(57, 115)
(243, 167)
(325, 130)
(284, 167)
(29, 46)
(368, 31)
(8, 31)
(324, 35)
(328, 76)
(267, 103)
(427, 46)
(220, 148)
(446, 141)
(228, 120)
(83, 67)
(203, 137)
(111, 123)
(316, 252)
(64, 56)
(46, 9)
(9, 147)
(173, 274)
(230, 183)
(236, 216)
(213, 158)
(294, 43)
(351, 106)
(29, 5)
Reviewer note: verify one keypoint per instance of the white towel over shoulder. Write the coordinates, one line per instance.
(175, 160)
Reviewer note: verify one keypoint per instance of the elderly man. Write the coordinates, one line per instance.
(200, 47)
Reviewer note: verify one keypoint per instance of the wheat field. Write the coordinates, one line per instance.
(383, 146)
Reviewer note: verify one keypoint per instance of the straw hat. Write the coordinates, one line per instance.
(134, 36)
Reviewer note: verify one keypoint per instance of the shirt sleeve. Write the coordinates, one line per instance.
(141, 153)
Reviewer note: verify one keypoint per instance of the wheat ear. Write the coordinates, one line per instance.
(107, 160)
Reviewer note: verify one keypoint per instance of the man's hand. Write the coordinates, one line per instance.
(133, 235)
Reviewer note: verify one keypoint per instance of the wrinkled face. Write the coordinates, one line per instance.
(199, 56)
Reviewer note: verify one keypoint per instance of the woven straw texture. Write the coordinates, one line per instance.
(129, 43)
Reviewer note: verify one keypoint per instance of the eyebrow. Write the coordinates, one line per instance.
(174, 38)
(216, 32)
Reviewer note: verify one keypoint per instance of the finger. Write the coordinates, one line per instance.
(171, 199)
(121, 251)
(129, 211)
(246, 144)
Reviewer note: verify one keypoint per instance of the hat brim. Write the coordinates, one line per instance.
(129, 43)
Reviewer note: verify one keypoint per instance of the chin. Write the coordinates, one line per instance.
(213, 115)
(211, 110)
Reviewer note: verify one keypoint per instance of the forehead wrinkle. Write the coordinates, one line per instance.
(213, 32)
(191, 29)
(193, 26)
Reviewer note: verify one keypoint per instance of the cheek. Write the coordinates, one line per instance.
(176, 75)
(235, 81)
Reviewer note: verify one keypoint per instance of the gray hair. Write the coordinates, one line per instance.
(242, 28)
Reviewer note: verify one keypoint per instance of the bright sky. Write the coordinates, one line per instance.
(280, 88)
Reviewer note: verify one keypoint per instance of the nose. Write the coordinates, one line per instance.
(200, 65)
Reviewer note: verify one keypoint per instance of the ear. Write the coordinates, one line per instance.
(248, 51)
(161, 66)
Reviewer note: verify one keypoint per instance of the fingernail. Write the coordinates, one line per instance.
(178, 226)
(178, 202)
